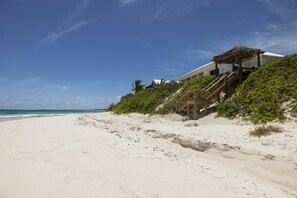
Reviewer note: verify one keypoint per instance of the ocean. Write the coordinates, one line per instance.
(17, 114)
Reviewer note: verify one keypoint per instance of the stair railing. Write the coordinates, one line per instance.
(209, 91)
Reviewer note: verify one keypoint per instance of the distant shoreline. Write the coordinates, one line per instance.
(8, 115)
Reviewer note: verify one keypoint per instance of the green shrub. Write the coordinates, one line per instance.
(227, 109)
(168, 107)
(261, 96)
(145, 101)
(109, 108)
(196, 83)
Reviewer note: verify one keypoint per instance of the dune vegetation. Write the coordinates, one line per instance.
(269, 93)
(147, 100)
(144, 101)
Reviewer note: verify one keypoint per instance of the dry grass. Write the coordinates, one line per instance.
(265, 130)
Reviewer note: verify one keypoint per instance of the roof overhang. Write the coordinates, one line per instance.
(236, 54)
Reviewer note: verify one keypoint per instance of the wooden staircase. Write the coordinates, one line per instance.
(194, 101)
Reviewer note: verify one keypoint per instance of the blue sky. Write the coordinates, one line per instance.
(74, 54)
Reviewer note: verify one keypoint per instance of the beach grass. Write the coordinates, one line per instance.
(265, 130)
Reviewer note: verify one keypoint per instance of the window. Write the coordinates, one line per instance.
(213, 72)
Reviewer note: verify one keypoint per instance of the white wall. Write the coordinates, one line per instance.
(224, 68)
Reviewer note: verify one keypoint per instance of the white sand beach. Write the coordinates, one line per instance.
(106, 155)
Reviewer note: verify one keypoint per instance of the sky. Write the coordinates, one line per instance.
(85, 54)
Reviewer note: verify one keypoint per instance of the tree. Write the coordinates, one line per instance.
(163, 82)
(137, 86)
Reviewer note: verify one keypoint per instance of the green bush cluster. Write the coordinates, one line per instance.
(262, 95)
(167, 108)
(145, 101)
(196, 84)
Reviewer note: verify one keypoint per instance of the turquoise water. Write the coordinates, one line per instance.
(15, 114)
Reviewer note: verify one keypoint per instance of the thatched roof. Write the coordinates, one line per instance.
(236, 54)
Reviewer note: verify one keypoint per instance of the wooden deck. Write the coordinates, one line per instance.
(195, 101)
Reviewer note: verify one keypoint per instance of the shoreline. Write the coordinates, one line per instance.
(144, 156)
(24, 116)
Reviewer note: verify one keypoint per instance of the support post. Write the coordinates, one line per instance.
(233, 66)
(195, 111)
(216, 70)
(240, 72)
(259, 60)
(188, 111)
(226, 88)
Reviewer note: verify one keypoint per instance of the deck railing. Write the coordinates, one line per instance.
(208, 93)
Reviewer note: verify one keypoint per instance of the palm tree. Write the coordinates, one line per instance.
(137, 86)
(163, 82)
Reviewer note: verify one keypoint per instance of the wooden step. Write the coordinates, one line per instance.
(203, 99)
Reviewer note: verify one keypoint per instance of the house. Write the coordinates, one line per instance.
(215, 67)
(231, 68)
(157, 82)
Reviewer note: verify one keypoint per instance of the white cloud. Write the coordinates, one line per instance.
(80, 101)
(119, 97)
(127, 2)
(70, 24)
(144, 42)
(280, 41)
(54, 36)
(22, 1)
(198, 54)
(104, 83)
(171, 67)
(58, 87)
(29, 81)
(279, 36)
(158, 12)
(80, 7)
(284, 8)
(155, 9)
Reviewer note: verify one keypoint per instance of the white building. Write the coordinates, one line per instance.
(209, 68)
